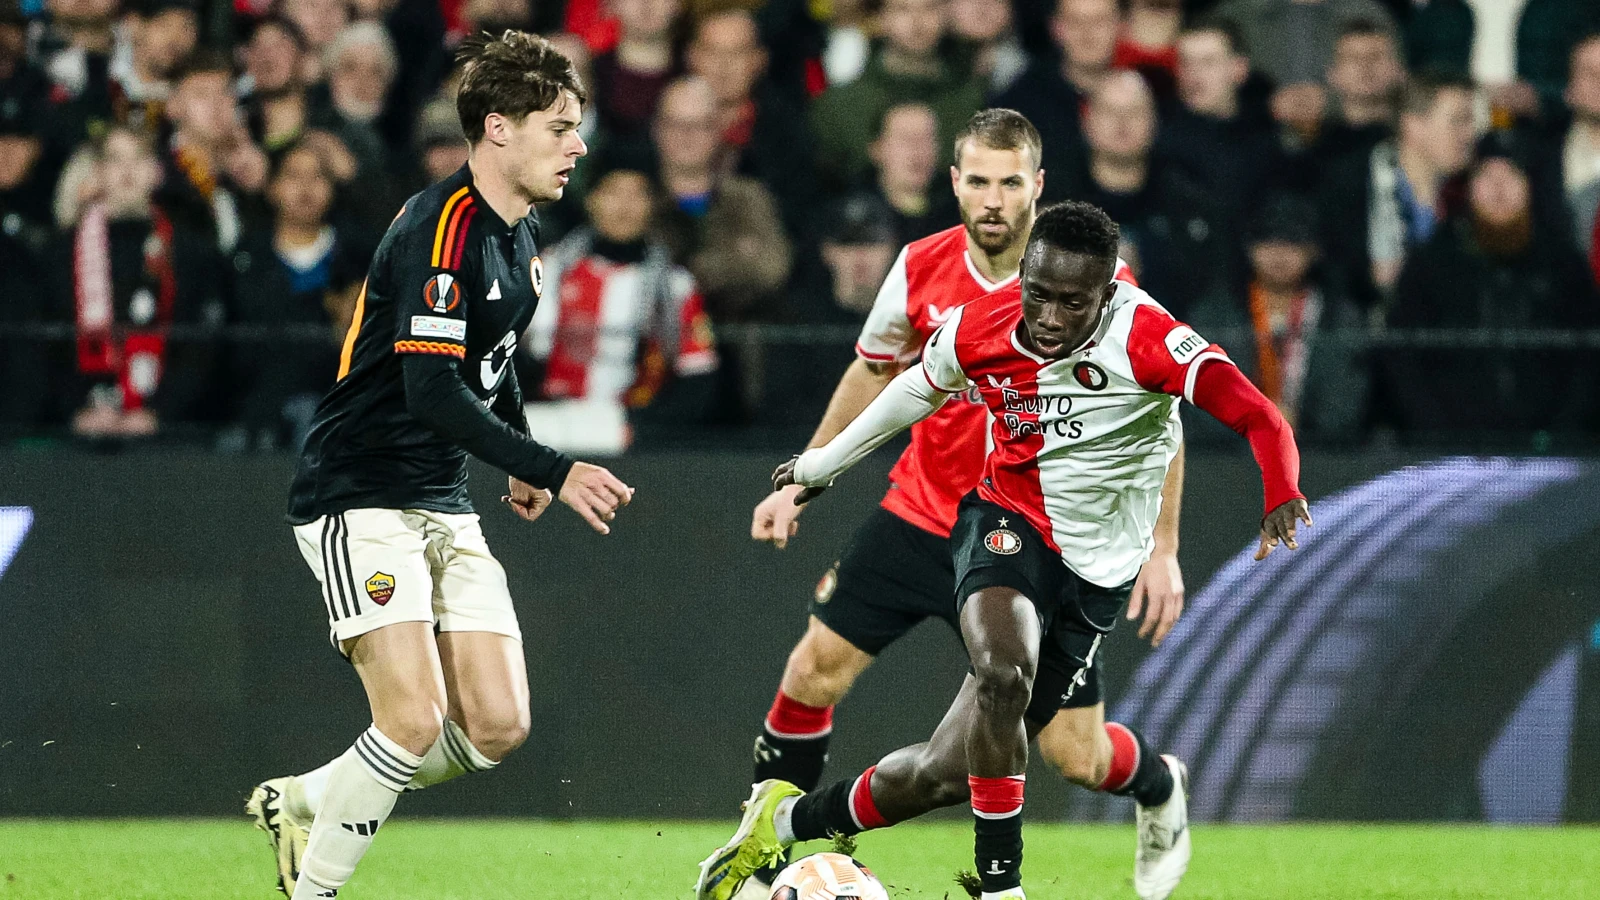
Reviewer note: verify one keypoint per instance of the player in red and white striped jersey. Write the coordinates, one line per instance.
(897, 569)
(1081, 375)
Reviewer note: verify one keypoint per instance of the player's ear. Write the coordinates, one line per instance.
(955, 178)
(1038, 184)
(496, 129)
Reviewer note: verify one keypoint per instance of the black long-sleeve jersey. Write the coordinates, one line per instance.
(426, 375)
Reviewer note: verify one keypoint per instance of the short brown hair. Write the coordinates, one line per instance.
(1422, 91)
(1001, 129)
(514, 74)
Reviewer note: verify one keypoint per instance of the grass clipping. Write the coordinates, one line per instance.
(970, 882)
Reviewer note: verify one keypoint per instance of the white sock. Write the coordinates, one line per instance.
(1013, 894)
(451, 755)
(361, 791)
(783, 821)
(304, 796)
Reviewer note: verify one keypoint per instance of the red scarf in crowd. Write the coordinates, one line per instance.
(133, 354)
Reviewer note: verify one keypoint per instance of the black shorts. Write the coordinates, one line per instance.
(892, 576)
(995, 547)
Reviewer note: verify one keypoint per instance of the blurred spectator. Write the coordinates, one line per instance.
(440, 143)
(858, 248)
(25, 180)
(906, 66)
(1291, 41)
(1149, 38)
(1366, 77)
(1493, 265)
(161, 35)
(274, 84)
(1548, 31)
(76, 52)
(621, 338)
(320, 21)
(724, 227)
(23, 356)
(905, 157)
(629, 79)
(985, 28)
(1577, 148)
(298, 273)
(1379, 205)
(763, 130)
(848, 44)
(1233, 155)
(414, 28)
(126, 274)
(1301, 350)
(1051, 93)
(360, 65)
(214, 173)
(1176, 234)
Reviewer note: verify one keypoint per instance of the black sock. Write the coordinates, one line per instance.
(997, 849)
(1150, 783)
(822, 813)
(797, 760)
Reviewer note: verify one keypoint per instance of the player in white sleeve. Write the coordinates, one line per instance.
(1082, 377)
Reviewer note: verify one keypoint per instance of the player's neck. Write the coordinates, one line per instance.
(997, 267)
(506, 201)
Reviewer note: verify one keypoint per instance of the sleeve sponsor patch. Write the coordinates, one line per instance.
(437, 327)
(1184, 344)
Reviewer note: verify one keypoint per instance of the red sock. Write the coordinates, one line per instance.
(862, 807)
(789, 718)
(996, 798)
(1124, 758)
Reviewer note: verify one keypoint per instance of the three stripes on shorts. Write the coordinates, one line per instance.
(339, 582)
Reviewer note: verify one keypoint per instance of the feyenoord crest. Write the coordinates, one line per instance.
(1002, 541)
(536, 273)
(380, 588)
(1090, 376)
(830, 580)
(442, 293)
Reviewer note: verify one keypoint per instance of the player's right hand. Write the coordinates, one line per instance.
(776, 518)
(1279, 527)
(595, 494)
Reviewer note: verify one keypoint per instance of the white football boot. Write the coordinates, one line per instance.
(1163, 854)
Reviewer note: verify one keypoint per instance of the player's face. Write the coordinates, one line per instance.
(1063, 294)
(544, 149)
(996, 190)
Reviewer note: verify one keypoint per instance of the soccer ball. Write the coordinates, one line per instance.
(828, 876)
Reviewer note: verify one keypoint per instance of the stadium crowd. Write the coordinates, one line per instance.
(1386, 211)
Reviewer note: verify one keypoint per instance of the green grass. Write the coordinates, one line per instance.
(488, 860)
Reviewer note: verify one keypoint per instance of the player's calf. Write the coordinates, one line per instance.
(494, 737)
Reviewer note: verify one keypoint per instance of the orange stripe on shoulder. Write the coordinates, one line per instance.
(440, 229)
(350, 336)
(454, 237)
(456, 350)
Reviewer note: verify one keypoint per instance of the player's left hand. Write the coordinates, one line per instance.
(526, 500)
(783, 476)
(1279, 527)
(1158, 593)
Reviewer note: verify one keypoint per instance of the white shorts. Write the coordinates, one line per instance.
(382, 566)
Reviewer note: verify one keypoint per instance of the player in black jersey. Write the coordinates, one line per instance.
(379, 503)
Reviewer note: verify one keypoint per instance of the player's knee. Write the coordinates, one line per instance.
(1004, 686)
(414, 728)
(498, 734)
(815, 676)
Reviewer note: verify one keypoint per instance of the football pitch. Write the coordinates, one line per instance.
(489, 860)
